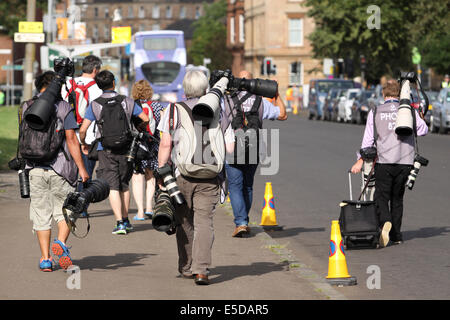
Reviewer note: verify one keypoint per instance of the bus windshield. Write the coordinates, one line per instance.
(161, 73)
(160, 44)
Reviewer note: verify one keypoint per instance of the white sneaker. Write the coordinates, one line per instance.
(384, 237)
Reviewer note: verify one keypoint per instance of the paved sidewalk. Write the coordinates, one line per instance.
(143, 264)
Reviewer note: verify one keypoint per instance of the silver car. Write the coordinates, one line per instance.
(440, 116)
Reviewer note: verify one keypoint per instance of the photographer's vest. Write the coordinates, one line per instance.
(63, 164)
(245, 113)
(127, 104)
(392, 148)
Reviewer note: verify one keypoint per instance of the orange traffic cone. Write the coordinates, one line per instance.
(337, 266)
(268, 218)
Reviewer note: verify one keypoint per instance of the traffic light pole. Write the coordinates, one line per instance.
(30, 50)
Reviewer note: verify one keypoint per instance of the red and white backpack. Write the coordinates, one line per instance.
(78, 95)
(148, 110)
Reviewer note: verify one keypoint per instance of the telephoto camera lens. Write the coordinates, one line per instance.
(24, 184)
(171, 184)
(418, 163)
(164, 217)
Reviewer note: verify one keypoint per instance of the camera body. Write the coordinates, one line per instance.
(419, 161)
(40, 111)
(170, 183)
(77, 202)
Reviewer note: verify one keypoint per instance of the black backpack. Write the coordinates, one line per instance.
(114, 125)
(246, 121)
(41, 146)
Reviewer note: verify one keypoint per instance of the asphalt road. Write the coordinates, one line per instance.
(312, 180)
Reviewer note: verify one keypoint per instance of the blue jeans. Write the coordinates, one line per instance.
(240, 186)
(89, 165)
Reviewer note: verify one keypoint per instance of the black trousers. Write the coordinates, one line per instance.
(390, 187)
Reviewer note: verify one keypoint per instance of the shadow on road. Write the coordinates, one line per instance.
(293, 232)
(120, 260)
(227, 273)
(427, 232)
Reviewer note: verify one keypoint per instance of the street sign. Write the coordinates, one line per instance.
(121, 34)
(12, 67)
(29, 37)
(31, 27)
(5, 51)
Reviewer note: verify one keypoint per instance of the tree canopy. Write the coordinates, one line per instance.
(342, 32)
(210, 37)
(13, 11)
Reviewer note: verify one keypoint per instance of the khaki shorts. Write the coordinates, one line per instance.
(48, 191)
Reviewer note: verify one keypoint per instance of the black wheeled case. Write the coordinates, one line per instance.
(359, 222)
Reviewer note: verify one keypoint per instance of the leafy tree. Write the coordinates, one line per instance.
(13, 11)
(210, 37)
(342, 32)
(432, 34)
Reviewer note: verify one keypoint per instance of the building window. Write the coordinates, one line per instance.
(106, 32)
(142, 27)
(295, 32)
(168, 12)
(182, 12)
(130, 12)
(241, 29)
(106, 12)
(155, 12)
(95, 33)
(295, 73)
(155, 27)
(197, 12)
(141, 13)
(232, 32)
(95, 12)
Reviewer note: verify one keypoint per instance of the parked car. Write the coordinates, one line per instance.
(344, 107)
(361, 106)
(440, 121)
(318, 91)
(432, 97)
(328, 104)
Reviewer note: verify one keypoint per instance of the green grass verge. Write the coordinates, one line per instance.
(9, 131)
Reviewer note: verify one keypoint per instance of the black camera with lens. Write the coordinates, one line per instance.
(39, 113)
(170, 183)
(163, 219)
(18, 164)
(419, 162)
(260, 87)
(77, 202)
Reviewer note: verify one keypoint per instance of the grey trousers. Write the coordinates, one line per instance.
(195, 235)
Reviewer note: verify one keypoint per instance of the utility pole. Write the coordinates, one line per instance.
(30, 50)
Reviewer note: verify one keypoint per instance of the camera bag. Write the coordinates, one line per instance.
(358, 221)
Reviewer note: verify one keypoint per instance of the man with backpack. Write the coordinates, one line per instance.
(198, 156)
(246, 113)
(113, 113)
(54, 160)
(80, 92)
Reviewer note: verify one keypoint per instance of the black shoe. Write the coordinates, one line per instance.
(201, 279)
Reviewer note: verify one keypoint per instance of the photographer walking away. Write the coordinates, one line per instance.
(113, 113)
(395, 157)
(195, 234)
(51, 181)
(246, 111)
(80, 92)
(143, 177)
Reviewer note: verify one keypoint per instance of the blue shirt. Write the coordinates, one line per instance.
(137, 110)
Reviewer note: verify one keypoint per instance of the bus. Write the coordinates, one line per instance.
(160, 58)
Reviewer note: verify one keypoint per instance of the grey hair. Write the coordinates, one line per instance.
(195, 84)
